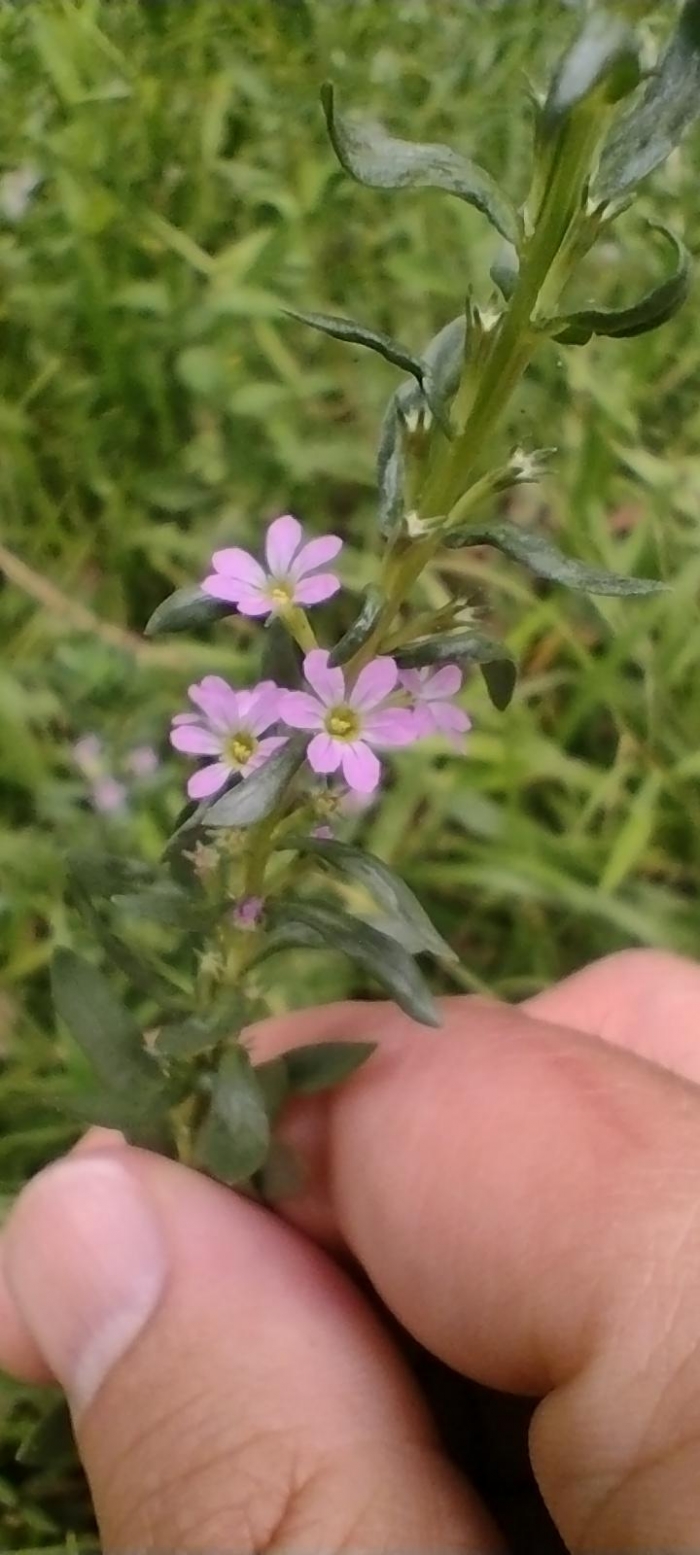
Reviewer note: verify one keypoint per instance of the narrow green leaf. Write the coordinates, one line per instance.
(273, 1079)
(505, 270)
(386, 888)
(49, 1440)
(603, 61)
(444, 356)
(391, 470)
(466, 647)
(314, 926)
(362, 627)
(254, 798)
(186, 610)
(104, 1030)
(547, 561)
(284, 1174)
(357, 334)
(233, 1140)
(631, 845)
(164, 903)
(644, 138)
(654, 309)
(281, 660)
(320, 1066)
(99, 874)
(188, 1038)
(442, 361)
(379, 160)
(140, 1113)
(139, 971)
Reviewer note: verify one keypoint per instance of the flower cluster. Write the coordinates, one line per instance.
(350, 717)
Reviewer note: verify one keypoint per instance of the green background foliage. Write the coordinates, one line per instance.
(154, 403)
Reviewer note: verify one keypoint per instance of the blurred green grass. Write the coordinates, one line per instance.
(153, 404)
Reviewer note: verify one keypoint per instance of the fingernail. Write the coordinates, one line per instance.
(86, 1263)
(98, 1138)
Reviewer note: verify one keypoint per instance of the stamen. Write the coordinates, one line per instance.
(342, 723)
(240, 747)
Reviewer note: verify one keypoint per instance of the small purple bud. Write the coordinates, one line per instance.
(324, 833)
(247, 913)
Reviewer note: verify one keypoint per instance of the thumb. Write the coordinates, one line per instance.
(229, 1387)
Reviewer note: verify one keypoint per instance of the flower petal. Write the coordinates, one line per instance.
(301, 711)
(316, 554)
(283, 539)
(195, 741)
(227, 589)
(446, 682)
(325, 754)
(310, 591)
(264, 708)
(250, 604)
(424, 721)
(217, 700)
(412, 681)
(392, 726)
(265, 750)
(449, 719)
(361, 769)
(208, 780)
(327, 682)
(239, 565)
(375, 682)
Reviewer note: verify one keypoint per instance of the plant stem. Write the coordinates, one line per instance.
(516, 337)
(299, 627)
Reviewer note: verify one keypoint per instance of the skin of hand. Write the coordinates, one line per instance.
(522, 1191)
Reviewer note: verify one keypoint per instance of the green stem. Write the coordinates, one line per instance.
(299, 627)
(516, 338)
(401, 571)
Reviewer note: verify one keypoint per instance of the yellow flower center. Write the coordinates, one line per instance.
(281, 594)
(239, 748)
(342, 723)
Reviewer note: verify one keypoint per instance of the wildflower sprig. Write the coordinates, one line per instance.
(257, 864)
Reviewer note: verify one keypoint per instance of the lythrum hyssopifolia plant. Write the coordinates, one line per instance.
(255, 864)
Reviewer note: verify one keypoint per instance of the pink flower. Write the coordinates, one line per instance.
(228, 725)
(292, 577)
(349, 720)
(432, 692)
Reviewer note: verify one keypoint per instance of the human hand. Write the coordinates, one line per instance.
(525, 1199)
